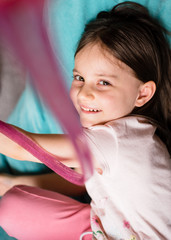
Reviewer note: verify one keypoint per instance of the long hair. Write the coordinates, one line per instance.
(139, 40)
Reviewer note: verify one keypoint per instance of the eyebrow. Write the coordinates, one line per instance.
(75, 70)
(107, 75)
(100, 74)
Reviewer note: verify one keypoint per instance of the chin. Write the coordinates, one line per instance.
(86, 124)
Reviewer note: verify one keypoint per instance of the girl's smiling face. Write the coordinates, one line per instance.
(103, 88)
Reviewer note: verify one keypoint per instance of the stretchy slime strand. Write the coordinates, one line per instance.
(23, 28)
(39, 152)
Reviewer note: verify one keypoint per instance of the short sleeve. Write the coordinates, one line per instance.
(102, 141)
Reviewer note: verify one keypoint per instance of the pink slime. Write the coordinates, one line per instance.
(22, 27)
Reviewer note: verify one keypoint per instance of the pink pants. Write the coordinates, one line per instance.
(32, 213)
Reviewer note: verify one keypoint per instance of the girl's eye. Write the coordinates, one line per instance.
(105, 83)
(79, 78)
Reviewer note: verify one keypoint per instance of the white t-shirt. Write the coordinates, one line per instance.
(132, 197)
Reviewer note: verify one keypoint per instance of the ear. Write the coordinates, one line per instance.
(146, 92)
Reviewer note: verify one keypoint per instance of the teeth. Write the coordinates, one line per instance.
(90, 110)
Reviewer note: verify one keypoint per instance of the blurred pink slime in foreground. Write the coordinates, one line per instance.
(22, 27)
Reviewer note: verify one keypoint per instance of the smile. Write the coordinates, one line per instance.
(84, 109)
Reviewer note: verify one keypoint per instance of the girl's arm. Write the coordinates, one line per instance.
(56, 144)
(49, 181)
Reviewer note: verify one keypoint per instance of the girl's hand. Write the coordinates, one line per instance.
(49, 181)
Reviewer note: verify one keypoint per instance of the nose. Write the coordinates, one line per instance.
(86, 93)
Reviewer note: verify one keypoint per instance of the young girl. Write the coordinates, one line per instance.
(121, 90)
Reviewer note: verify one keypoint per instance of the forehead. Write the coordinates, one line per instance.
(99, 55)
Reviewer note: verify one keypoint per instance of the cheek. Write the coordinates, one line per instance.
(130, 97)
(71, 92)
(116, 102)
(108, 100)
(73, 95)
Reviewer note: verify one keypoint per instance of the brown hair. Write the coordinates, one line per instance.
(140, 41)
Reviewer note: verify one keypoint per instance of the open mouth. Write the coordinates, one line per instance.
(90, 110)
